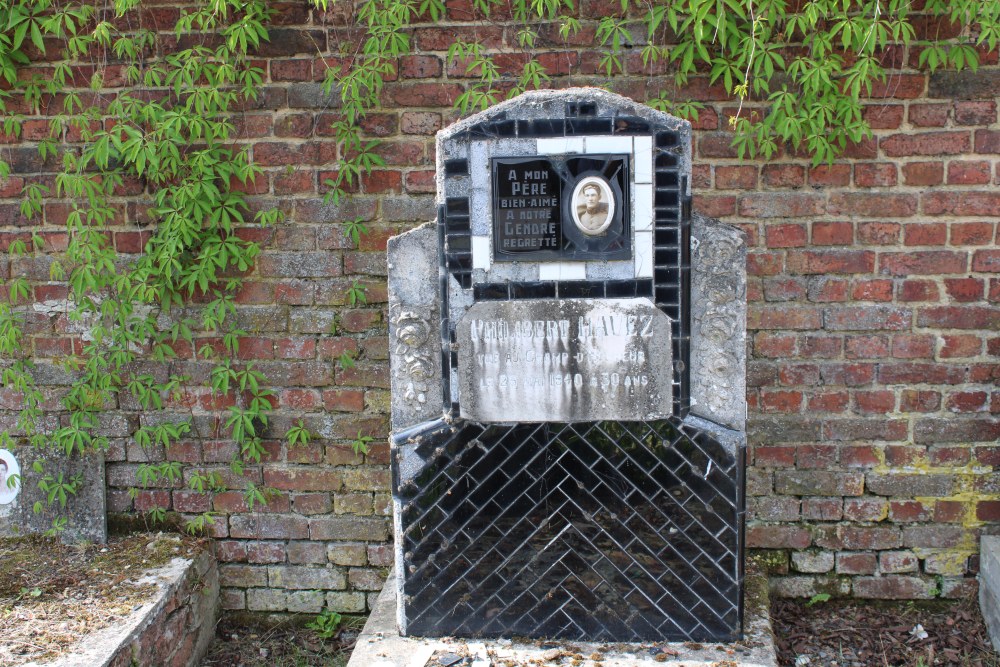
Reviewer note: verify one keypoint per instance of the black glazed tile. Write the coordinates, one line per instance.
(540, 127)
(631, 125)
(621, 289)
(665, 198)
(459, 243)
(644, 288)
(579, 289)
(589, 126)
(456, 206)
(664, 159)
(539, 290)
(456, 167)
(491, 291)
(666, 139)
(667, 179)
(459, 261)
(665, 236)
(578, 109)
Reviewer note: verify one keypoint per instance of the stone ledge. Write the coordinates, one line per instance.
(989, 586)
(380, 644)
(174, 628)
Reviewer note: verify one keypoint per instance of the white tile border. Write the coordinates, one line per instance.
(599, 144)
(643, 253)
(642, 210)
(481, 256)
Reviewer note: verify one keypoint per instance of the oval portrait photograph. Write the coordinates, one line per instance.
(593, 205)
(9, 469)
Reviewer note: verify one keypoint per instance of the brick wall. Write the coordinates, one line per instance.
(874, 323)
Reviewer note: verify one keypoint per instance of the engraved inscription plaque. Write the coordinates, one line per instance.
(579, 360)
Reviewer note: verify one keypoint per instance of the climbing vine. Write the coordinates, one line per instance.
(798, 73)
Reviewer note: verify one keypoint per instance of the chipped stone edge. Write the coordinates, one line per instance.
(381, 644)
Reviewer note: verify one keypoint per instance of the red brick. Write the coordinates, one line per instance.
(858, 538)
(883, 116)
(961, 345)
(913, 400)
(971, 233)
(819, 347)
(832, 233)
(918, 290)
(970, 203)
(872, 204)
(964, 289)
(783, 175)
(927, 262)
(716, 206)
(828, 290)
(859, 456)
(875, 402)
(822, 509)
(865, 509)
(764, 263)
(923, 173)
(856, 563)
(736, 178)
(927, 143)
(867, 347)
(928, 115)
(872, 290)
(861, 318)
(949, 511)
(873, 175)
(895, 562)
(988, 510)
(831, 261)
(969, 172)
(909, 510)
(925, 234)
(774, 345)
(878, 233)
(828, 401)
(851, 375)
(836, 175)
(912, 346)
(303, 479)
(959, 317)
(777, 537)
(774, 457)
(975, 112)
(783, 317)
(785, 236)
(920, 373)
(988, 141)
(783, 288)
(771, 205)
(967, 401)
(986, 261)
(943, 457)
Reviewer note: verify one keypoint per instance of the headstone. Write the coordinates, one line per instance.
(25, 487)
(568, 383)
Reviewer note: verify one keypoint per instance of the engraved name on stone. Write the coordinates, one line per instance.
(579, 360)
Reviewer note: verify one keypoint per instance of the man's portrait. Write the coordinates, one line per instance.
(8, 468)
(594, 205)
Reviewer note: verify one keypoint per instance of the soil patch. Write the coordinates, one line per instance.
(891, 634)
(239, 643)
(52, 594)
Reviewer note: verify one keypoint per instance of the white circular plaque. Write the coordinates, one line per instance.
(593, 205)
(8, 469)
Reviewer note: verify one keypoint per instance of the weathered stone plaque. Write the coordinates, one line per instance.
(579, 360)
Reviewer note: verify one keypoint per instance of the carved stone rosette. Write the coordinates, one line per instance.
(718, 322)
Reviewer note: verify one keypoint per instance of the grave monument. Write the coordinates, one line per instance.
(568, 384)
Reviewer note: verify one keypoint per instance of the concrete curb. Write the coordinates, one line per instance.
(380, 644)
